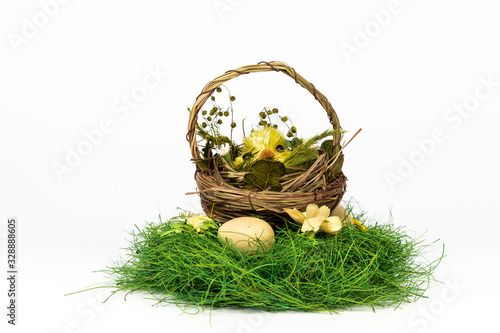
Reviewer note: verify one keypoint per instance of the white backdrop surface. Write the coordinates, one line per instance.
(93, 122)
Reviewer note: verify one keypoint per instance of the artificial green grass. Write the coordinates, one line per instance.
(380, 267)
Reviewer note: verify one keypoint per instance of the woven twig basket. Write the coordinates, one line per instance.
(218, 184)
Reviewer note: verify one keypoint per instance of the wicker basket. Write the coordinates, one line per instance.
(221, 197)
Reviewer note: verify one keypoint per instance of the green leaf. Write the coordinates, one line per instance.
(207, 150)
(227, 157)
(338, 168)
(327, 146)
(265, 174)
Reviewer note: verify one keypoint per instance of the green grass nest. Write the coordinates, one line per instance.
(380, 267)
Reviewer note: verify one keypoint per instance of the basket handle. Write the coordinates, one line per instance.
(262, 66)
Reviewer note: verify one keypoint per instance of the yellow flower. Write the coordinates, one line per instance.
(362, 227)
(238, 161)
(332, 225)
(197, 221)
(316, 218)
(267, 142)
(295, 215)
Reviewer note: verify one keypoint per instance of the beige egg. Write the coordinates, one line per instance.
(343, 213)
(248, 234)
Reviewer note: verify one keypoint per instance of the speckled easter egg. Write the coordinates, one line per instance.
(248, 234)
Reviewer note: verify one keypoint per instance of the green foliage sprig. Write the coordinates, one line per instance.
(304, 153)
(209, 127)
(266, 119)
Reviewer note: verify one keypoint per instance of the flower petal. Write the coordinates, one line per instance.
(312, 210)
(197, 220)
(313, 223)
(362, 227)
(295, 215)
(306, 227)
(324, 211)
(332, 225)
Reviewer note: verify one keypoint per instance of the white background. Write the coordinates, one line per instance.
(399, 70)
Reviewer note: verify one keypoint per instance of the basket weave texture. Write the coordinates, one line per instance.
(220, 187)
